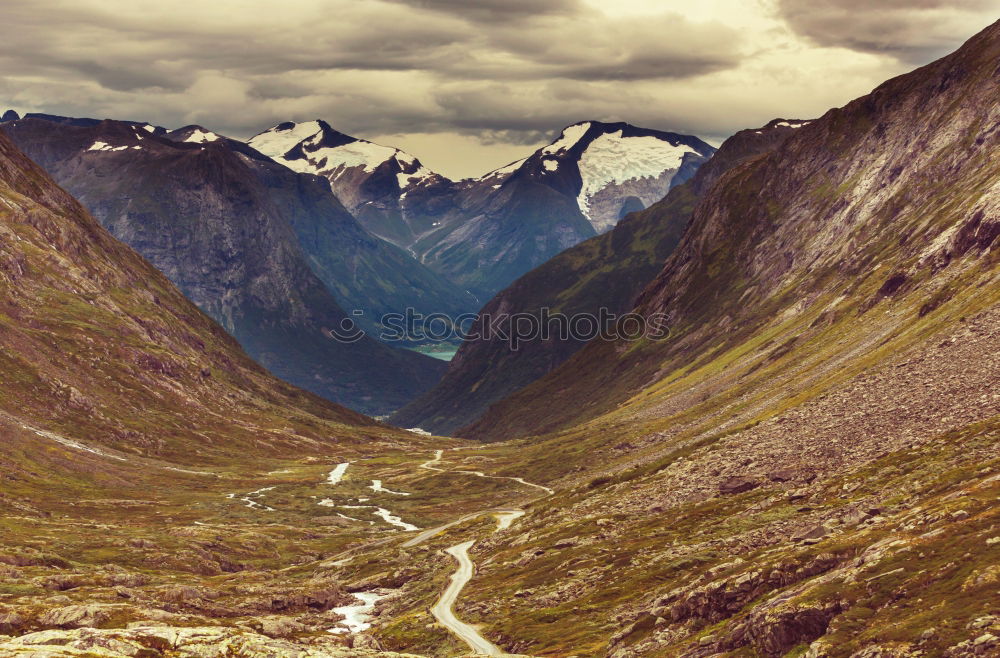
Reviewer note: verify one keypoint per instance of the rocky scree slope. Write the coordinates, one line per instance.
(155, 641)
(607, 271)
(222, 222)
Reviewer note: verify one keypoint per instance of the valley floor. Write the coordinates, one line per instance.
(309, 552)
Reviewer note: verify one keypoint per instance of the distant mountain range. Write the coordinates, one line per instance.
(483, 233)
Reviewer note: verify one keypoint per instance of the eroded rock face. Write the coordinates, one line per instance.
(78, 616)
(11, 622)
(176, 642)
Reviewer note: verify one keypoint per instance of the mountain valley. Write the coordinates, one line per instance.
(804, 465)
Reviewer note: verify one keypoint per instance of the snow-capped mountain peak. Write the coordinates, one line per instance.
(315, 147)
(282, 138)
(609, 167)
(615, 159)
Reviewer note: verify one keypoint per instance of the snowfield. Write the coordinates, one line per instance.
(276, 143)
(331, 162)
(104, 146)
(614, 159)
(202, 137)
(570, 136)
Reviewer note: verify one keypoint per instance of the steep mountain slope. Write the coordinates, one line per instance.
(217, 219)
(869, 204)
(483, 233)
(605, 272)
(98, 345)
(363, 272)
(810, 467)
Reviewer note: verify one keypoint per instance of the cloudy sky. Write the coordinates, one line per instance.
(466, 85)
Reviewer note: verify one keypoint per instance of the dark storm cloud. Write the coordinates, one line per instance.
(496, 10)
(915, 31)
(305, 56)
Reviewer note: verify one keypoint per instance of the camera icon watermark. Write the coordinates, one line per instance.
(515, 329)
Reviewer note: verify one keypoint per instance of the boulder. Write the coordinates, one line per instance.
(737, 485)
(815, 532)
(781, 475)
(78, 616)
(280, 627)
(11, 622)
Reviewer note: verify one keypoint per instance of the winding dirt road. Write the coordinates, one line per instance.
(443, 610)
(438, 454)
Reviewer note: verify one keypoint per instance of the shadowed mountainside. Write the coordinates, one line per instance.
(223, 223)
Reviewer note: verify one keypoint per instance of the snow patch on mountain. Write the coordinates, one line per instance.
(333, 161)
(199, 136)
(614, 159)
(406, 181)
(569, 137)
(356, 154)
(104, 146)
(504, 171)
(279, 140)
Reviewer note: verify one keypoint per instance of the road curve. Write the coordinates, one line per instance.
(443, 609)
(505, 517)
(438, 454)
